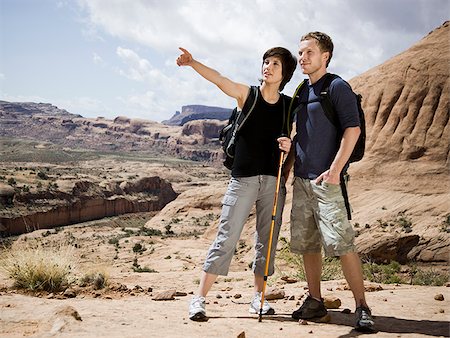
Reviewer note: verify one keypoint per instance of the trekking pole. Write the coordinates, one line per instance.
(272, 225)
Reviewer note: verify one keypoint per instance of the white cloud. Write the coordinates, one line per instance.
(232, 35)
(98, 60)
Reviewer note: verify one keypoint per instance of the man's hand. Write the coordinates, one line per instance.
(328, 177)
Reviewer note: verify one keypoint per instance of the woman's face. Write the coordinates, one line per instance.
(272, 70)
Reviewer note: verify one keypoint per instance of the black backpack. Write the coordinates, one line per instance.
(330, 113)
(237, 119)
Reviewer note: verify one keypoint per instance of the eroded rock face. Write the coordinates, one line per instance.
(207, 128)
(406, 101)
(89, 201)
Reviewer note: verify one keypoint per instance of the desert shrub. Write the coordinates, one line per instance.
(427, 277)
(42, 175)
(138, 248)
(98, 279)
(149, 231)
(169, 230)
(114, 241)
(331, 269)
(48, 269)
(12, 181)
(137, 268)
(445, 225)
(379, 273)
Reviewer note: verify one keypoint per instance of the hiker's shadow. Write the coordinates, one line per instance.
(393, 325)
(382, 324)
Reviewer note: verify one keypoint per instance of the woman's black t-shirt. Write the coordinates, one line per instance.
(257, 151)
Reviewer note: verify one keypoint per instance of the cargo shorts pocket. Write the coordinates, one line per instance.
(229, 200)
(228, 203)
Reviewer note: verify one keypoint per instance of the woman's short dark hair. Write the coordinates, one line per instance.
(323, 41)
(288, 63)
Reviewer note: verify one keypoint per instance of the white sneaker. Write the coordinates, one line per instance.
(197, 309)
(255, 305)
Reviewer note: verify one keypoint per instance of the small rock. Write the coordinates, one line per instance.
(292, 297)
(165, 295)
(150, 289)
(237, 296)
(107, 297)
(274, 294)
(303, 322)
(138, 288)
(373, 287)
(241, 335)
(289, 280)
(69, 311)
(218, 296)
(331, 302)
(69, 293)
(439, 297)
(180, 294)
(50, 295)
(346, 311)
(441, 311)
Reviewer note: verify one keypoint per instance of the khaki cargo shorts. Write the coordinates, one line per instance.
(319, 219)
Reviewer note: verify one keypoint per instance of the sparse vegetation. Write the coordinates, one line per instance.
(48, 269)
(387, 274)
(139, 269)
(41, 175)
(138, 248)
(98, 280)
(391, 273)
(445, 225)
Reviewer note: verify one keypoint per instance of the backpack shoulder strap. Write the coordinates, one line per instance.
(327, 104)
(248, 107)
(295, 98)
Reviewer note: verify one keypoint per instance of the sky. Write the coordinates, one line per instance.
(114, 58)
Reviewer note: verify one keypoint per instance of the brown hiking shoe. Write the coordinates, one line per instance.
(311, 308)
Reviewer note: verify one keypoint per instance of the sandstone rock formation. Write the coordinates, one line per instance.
(406, 101)
(198, 112)
(88, 201)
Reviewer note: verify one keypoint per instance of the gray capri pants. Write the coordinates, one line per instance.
(241, 195)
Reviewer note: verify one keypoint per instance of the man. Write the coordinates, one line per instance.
(319, 215)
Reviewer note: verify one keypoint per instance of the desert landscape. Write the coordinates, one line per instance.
(132, 207)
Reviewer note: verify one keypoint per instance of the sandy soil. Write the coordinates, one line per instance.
(400, 310)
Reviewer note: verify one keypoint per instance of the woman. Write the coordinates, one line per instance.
(253, 175)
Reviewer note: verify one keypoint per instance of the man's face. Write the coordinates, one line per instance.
(311, 58)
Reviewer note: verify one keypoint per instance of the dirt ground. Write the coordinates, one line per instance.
(400, 310)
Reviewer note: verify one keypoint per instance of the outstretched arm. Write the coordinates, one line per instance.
(236, 90)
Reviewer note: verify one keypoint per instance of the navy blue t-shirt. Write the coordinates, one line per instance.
(317, 138)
